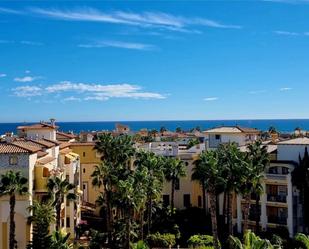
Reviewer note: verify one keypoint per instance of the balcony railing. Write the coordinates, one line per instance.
(276, 177)
(276, 198)
(277, 220)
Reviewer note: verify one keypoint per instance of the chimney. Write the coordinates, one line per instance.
(52, 121)
(274, 137)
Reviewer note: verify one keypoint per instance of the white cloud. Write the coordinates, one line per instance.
(211, 98)
(89, 91)
(9, 11)
(2, 75)
(71, 98)
(26, 79)
(288, 33)
(283, 89)
(31, 43)
(118, 44)
(27, 91)
(145, 19)
(27, 71)
(257, 92)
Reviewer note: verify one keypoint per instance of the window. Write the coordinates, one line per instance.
(199, 201)
(186, 163)
(84, 154)
(13, 160)
(45, 172)
(166, 200)
(68, 221)
(177, 184)
(84, 170)
(285, 170)
(186, 200)
(218, 137)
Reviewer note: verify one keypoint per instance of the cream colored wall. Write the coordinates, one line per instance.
(186, 187)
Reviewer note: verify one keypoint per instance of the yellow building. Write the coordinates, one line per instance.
(89, 158)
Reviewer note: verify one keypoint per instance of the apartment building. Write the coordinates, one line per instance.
(37, 154)
(225, 134)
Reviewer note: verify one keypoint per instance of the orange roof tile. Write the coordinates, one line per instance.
(11, 148)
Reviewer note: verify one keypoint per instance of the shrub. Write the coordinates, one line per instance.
(200, 241)
(140, 245)
(161, 240)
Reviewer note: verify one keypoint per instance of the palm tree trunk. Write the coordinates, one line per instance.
(142, 224)
(224, 208)
(12, 221)
(257, 214)
(172, 195)
(149, 216)
(213, 213)
(128, 228)
(246, 207)
(109, 219)
(58, 214)
(229, 212)
(204, 197)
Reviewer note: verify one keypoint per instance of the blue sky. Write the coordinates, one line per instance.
(153, 60)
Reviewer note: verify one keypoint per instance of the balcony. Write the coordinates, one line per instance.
(277, 220)
(276, 177)
(276, 198)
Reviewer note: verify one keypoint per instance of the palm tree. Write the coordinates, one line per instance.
(12, 184)
(60, 240)
(117, 153)
(43, 215)
(209, 160)
(153, 181)
(251, 241)
(230, 158)
(260, 158)
(303, 239)
(199, 175)
(174, 169)
(300, 178)
(58, 189)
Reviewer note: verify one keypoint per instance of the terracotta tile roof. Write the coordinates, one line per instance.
(65, 150)
(64, 145)
(82, 143)
(45, 160)
(44, 143)
(66, 135)
(248, 129)
(41, 154)
(11, 148)
(50, 141)
(27, 145)
(41, 125)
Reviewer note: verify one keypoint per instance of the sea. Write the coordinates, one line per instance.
(282, 125)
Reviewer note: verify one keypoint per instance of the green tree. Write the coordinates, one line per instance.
(43, 215)
(162, 129)
(303, 239)
(12, 184)
(192, 142)
(300, 179)
(209, 160)
(231, 160)
(153, 181)
(259, 158)
(59, 189)
(174, 169)
(60, 240)
(251, 241)
(117, 157)
(199, 175)
(178, 129)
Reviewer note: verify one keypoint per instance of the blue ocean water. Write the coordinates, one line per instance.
(283, 125)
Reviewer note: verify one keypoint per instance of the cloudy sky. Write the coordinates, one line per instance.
(153, 60)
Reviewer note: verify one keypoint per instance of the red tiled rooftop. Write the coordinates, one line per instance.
(11, 148)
